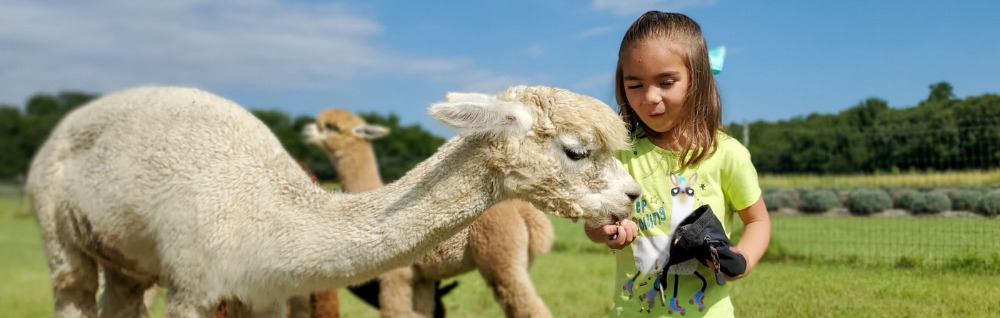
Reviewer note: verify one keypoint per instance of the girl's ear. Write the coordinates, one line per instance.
(371, 132)
(481, 114)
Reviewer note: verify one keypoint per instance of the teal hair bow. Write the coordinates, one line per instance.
(715, 59)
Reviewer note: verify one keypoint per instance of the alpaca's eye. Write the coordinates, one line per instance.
(331, 127)
(689, 191)
(576, 154)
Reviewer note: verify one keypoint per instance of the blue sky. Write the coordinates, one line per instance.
(785, 58)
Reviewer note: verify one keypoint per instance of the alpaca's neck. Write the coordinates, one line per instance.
(362, 235)
(356, 167)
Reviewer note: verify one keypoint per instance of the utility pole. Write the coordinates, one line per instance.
(746, 133)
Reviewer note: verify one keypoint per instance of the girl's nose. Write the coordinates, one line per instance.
(653, 95)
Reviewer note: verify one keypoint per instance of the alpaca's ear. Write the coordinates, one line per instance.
(371, 132)
(480, 114)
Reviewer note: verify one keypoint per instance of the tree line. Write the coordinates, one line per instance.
(23, 130)
(940, 133)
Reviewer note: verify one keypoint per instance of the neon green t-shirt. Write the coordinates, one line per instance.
(726, 181)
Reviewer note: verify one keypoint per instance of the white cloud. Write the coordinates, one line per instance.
(635, 7)
(596, 83)
(596, 31)
(487, 82)
(535, 50)
(263, 44)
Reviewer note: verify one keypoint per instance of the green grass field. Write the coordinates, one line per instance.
(930, 240)
(575, 279)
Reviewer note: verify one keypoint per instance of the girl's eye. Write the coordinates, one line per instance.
(668, 83)
(576, 155)
(633, 86)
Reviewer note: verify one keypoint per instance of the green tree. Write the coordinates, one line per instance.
(940, 91)
(15, 161)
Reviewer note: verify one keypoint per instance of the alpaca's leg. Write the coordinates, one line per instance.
(298, 307)
(181, 304)
(74, 280)
(72, 273)
(149, 297)
(423, 296)
(123, 296)
(396, 295)
(275, 310)
(325, 304)
(504, 263)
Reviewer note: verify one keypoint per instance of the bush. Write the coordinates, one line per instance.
(935, 202)
(817, 201)
(965, 200)
(910, 200)
(775, 200)
(989, 204)
(801, 191)
(865, 201)
(923, 202)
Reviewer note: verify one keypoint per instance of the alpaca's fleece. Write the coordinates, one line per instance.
(410, 291)
(186, 189)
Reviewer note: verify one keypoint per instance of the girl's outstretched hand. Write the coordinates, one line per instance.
(616, 236)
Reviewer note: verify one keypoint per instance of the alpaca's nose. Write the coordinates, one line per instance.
(633, 193)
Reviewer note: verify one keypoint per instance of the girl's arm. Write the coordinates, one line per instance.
(756, 234)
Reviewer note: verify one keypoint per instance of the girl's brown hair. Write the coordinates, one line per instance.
(702, 112)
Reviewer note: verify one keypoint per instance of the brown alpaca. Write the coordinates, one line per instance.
(409, 291)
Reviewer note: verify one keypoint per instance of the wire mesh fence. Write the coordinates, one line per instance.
(909, 195)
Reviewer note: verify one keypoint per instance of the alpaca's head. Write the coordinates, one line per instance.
(337, 129)
(554, 148)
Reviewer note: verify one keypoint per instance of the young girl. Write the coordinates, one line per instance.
(667, 94)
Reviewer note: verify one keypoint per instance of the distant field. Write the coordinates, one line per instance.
(947, 178)
(575, 279)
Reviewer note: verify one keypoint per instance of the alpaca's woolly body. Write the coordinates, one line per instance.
(189, 190)
(406, 291)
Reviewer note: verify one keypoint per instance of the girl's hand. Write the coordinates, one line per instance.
(616, 236)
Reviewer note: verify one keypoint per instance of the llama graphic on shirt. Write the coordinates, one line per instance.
(652, 253)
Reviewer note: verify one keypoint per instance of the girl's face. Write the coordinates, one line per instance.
(656, 81)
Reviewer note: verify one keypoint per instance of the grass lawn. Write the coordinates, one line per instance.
(575, 279)
(931, 240)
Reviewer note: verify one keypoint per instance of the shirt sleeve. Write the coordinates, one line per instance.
(742, 188)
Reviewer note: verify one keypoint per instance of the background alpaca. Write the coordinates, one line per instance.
(188, 190)
(346, 138)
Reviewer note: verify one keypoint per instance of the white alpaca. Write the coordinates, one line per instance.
(182, 188)
(410, 290)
